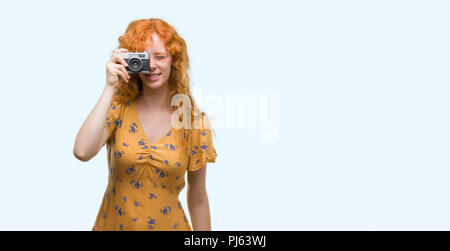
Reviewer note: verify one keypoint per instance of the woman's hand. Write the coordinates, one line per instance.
(115, 69)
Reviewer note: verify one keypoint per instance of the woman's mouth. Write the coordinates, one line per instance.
(152, 76)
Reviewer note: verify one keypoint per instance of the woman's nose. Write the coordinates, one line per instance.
(152, 64)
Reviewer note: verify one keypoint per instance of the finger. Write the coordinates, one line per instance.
(122, 69)
(121, 49)
(122, 75)
(125, 72)
(118, 59)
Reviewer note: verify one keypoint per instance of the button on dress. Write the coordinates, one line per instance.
(146, 178)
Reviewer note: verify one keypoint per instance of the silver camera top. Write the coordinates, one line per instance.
(140, 55)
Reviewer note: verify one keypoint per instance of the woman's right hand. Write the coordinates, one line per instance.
(115, 69)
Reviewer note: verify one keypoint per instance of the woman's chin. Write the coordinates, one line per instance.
(153, 85)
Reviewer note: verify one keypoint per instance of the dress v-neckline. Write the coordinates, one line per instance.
(138, 121)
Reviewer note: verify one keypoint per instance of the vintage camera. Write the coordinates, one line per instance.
(138, 62)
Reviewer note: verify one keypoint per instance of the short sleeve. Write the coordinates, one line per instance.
(201, 147)
(113, 118)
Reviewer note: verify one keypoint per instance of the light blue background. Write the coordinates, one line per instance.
(364, 126)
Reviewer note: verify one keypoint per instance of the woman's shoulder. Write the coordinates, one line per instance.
(201, 121)
(117, 112)
(119, 105)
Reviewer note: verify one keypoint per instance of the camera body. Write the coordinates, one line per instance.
(138, 62)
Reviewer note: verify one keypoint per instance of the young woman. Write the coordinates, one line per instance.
(148, 155)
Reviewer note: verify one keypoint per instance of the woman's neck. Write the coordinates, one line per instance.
(154, 99)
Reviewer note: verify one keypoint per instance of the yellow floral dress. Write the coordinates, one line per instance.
(145, 179)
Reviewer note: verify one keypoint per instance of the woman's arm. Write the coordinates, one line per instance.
(93, 134)
(197, 200)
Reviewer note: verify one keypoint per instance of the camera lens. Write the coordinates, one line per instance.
(135, 64)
